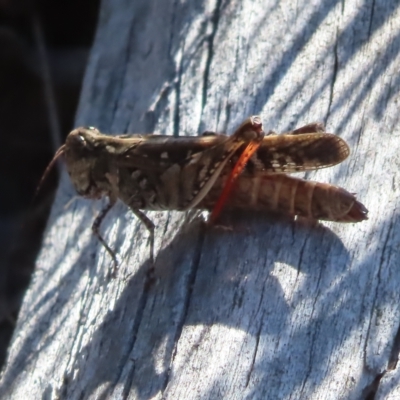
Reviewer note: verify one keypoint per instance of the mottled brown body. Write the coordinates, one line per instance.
(151, 172)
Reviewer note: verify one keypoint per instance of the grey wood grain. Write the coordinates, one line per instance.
(272, 309)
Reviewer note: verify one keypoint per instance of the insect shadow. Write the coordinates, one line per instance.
(207, 277)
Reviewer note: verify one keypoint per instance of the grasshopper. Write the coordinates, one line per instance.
(247, 170)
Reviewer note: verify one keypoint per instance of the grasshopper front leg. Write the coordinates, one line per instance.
(149, 224)
(96, 230)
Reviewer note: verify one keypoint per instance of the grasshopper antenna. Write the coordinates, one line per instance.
(48, 169)
(50, 99)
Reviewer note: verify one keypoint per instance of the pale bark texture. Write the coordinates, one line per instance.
(270, 308)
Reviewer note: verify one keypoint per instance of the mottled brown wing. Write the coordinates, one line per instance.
(300, 152)
(277, 153)
(158, 152)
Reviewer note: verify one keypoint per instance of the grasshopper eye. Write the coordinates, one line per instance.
(81, 139)
(84, 141)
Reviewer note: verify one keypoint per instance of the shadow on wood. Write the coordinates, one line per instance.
(192, 295)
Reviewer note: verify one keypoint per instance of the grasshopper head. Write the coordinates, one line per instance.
(83, 157)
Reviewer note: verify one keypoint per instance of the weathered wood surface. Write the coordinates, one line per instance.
(273, 309)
